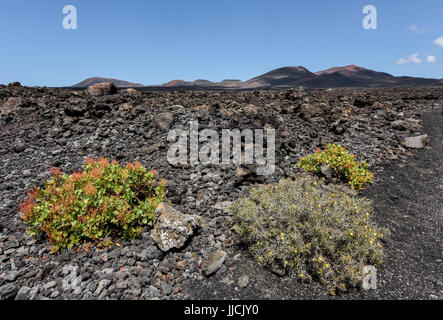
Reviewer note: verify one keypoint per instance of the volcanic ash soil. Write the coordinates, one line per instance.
(43, 128)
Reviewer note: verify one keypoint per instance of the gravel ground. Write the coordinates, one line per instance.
(42, 127)
(408, 199)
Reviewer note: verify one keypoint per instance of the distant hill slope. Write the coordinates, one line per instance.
(281, 77)
(336, 77)
(118, 83)
(347, 76)
(355, 76)
(227, 83)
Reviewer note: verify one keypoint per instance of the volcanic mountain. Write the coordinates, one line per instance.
(199, 83)
(336, 77)
(118, 83)
(281, 77)
(355, 76)
(347, 76)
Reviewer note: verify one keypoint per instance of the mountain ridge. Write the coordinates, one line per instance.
(290, 76)
(118, 83)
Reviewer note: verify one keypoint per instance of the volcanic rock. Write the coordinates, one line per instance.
(212, 263)
(149, 253)
(163, 121)
(326, 171)
(166, 288)
(398, 124)
(310, 111)
(8, 291)
(417, 142)
(101, 89)
(27, 293)
(243, 281)
(173, 228)
(131, 91)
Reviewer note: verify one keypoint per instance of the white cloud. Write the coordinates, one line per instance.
(418, 30)
(401, 61)
(414, 58)
(430, 59)
(439, 41)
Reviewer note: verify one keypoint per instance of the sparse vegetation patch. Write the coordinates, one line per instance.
(341, 162)
(313, 231)
(104, 200)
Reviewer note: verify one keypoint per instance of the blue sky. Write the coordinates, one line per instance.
(153, 42)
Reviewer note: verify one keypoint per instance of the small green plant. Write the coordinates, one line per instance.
(312, 230)
(105, 200)
(339, 160)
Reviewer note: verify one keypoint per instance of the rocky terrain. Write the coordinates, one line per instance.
(285, 78)
(118, 83)
(43, 128)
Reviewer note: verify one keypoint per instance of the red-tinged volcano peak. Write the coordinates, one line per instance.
(173, 83)
(351, 67)
(118, 83)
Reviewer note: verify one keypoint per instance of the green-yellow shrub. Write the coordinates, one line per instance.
(105, 200)
(311, 230)
(343, 164)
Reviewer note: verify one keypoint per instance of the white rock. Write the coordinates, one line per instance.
(173, 228)
(417, 142)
